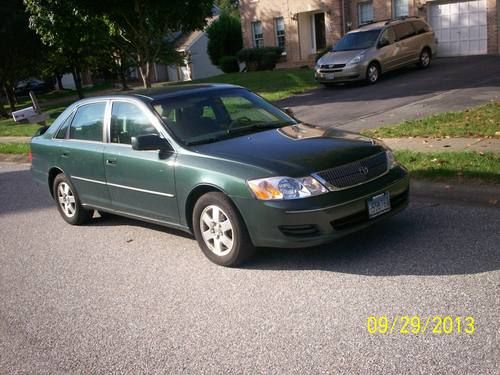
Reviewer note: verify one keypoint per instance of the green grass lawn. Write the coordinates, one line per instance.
(482, 121)
(10, 128)
(272, 85)
(463, 165)
(14, 148)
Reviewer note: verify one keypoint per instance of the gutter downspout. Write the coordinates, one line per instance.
(343, 18)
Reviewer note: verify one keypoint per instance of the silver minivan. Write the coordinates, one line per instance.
(376, 48)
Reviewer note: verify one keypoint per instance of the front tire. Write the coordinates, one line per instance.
(68, 203)
(220, 231)
(372, 73)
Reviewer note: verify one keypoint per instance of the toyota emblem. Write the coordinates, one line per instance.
(363, 170)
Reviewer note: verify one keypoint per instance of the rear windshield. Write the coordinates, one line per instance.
(357, 40)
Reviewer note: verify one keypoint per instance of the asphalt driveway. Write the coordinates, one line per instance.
(120, 296)
(450, 84)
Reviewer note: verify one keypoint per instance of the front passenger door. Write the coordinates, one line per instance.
(389, 53)
(141, 183)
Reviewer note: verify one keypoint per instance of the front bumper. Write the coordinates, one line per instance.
(348, 73)
(317, 220)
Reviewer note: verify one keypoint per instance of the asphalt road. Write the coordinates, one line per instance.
(450, 84)
(121, 296)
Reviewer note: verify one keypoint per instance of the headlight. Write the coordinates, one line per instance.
(285, 188)
(391, 160)
(357, 59)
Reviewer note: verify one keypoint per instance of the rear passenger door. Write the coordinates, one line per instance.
(140, 183)
(81, 152)
(405, 35)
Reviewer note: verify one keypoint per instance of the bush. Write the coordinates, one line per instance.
(224, 37)
(260, 58)
(229, 64)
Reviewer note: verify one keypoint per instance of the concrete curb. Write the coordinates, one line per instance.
(14, 158)
(488, 194)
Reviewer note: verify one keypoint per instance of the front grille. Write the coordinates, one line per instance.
(332, 66)
(355, 173)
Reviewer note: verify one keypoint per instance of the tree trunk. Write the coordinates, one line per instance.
(78, 82)
(10, 95)
(59, 81)
(3, 112)
(144, 69)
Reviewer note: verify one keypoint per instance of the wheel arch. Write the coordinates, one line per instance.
(193, 197)
(53, 173)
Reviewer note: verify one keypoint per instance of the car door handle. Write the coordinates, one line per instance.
(111, 161)
(65, 155)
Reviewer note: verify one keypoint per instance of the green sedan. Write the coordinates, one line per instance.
(220, 162)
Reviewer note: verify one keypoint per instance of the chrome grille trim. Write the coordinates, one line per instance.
(355, 173)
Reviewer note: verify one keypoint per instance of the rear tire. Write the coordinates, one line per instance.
(372, 73)
(68, 203)
(220, 231)
(425, 59)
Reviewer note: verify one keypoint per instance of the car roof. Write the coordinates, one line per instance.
(382, 24)
(165, 92)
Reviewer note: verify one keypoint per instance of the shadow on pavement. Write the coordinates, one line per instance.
(423, 240)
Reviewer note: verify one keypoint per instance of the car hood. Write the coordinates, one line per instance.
(339, 57)
(295, 150)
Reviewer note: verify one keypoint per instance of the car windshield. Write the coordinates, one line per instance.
(217, 115)
(357, 40)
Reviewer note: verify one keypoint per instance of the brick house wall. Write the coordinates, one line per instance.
(294, 11)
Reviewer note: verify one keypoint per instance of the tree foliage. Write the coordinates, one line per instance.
(224, 37)
(145, 25)
(20, 48)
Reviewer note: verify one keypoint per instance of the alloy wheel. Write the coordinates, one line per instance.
(66, 199)
(373, 73)
(217, 230)
(425, 59)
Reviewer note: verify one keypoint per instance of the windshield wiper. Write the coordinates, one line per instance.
(245, 129)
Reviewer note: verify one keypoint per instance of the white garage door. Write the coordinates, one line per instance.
(460, 27)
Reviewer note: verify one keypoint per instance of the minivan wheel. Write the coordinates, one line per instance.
(68, 203)
(372, 73)
(220, 231)
(425, 59)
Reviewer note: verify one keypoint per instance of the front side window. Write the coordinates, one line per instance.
(400, 8)
(88, 122)
(357, 40)
(127, 121)
(279, 24)
(223, 114)
(258, 36)
(388, 35)
(365, 12)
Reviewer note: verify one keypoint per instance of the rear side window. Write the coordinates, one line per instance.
(88, 122)
(404, 30)
(127, 121)
(420, 27)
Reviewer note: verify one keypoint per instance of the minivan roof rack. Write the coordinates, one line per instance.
(402, 18)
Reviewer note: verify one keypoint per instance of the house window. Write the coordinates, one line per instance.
(279, 25)
(400, 8)
(258, 37)
(365, 12)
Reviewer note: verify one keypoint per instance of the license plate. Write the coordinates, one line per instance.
(330, 76)
(379, 205)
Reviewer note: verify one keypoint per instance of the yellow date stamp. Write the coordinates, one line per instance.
(416, 325)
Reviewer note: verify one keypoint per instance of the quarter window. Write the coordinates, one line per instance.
(63, 130)
(400, 8)
(420, 27)
(87, 123)
(279, 24)
(365, 12)
(127, 121)
(258, 36)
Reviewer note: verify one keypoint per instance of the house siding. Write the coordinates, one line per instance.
(296, 46)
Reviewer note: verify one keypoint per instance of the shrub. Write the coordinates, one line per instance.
(260, 58)
(229, 64)
(224, 37)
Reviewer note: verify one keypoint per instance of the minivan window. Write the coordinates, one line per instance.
(88, 122)
(420, 27)
(357, 40)
(404, 30)
(389, 35)
(127, 121)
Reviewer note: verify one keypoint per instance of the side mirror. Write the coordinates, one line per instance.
(289, 111)
(149, 142)
(383, 43)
